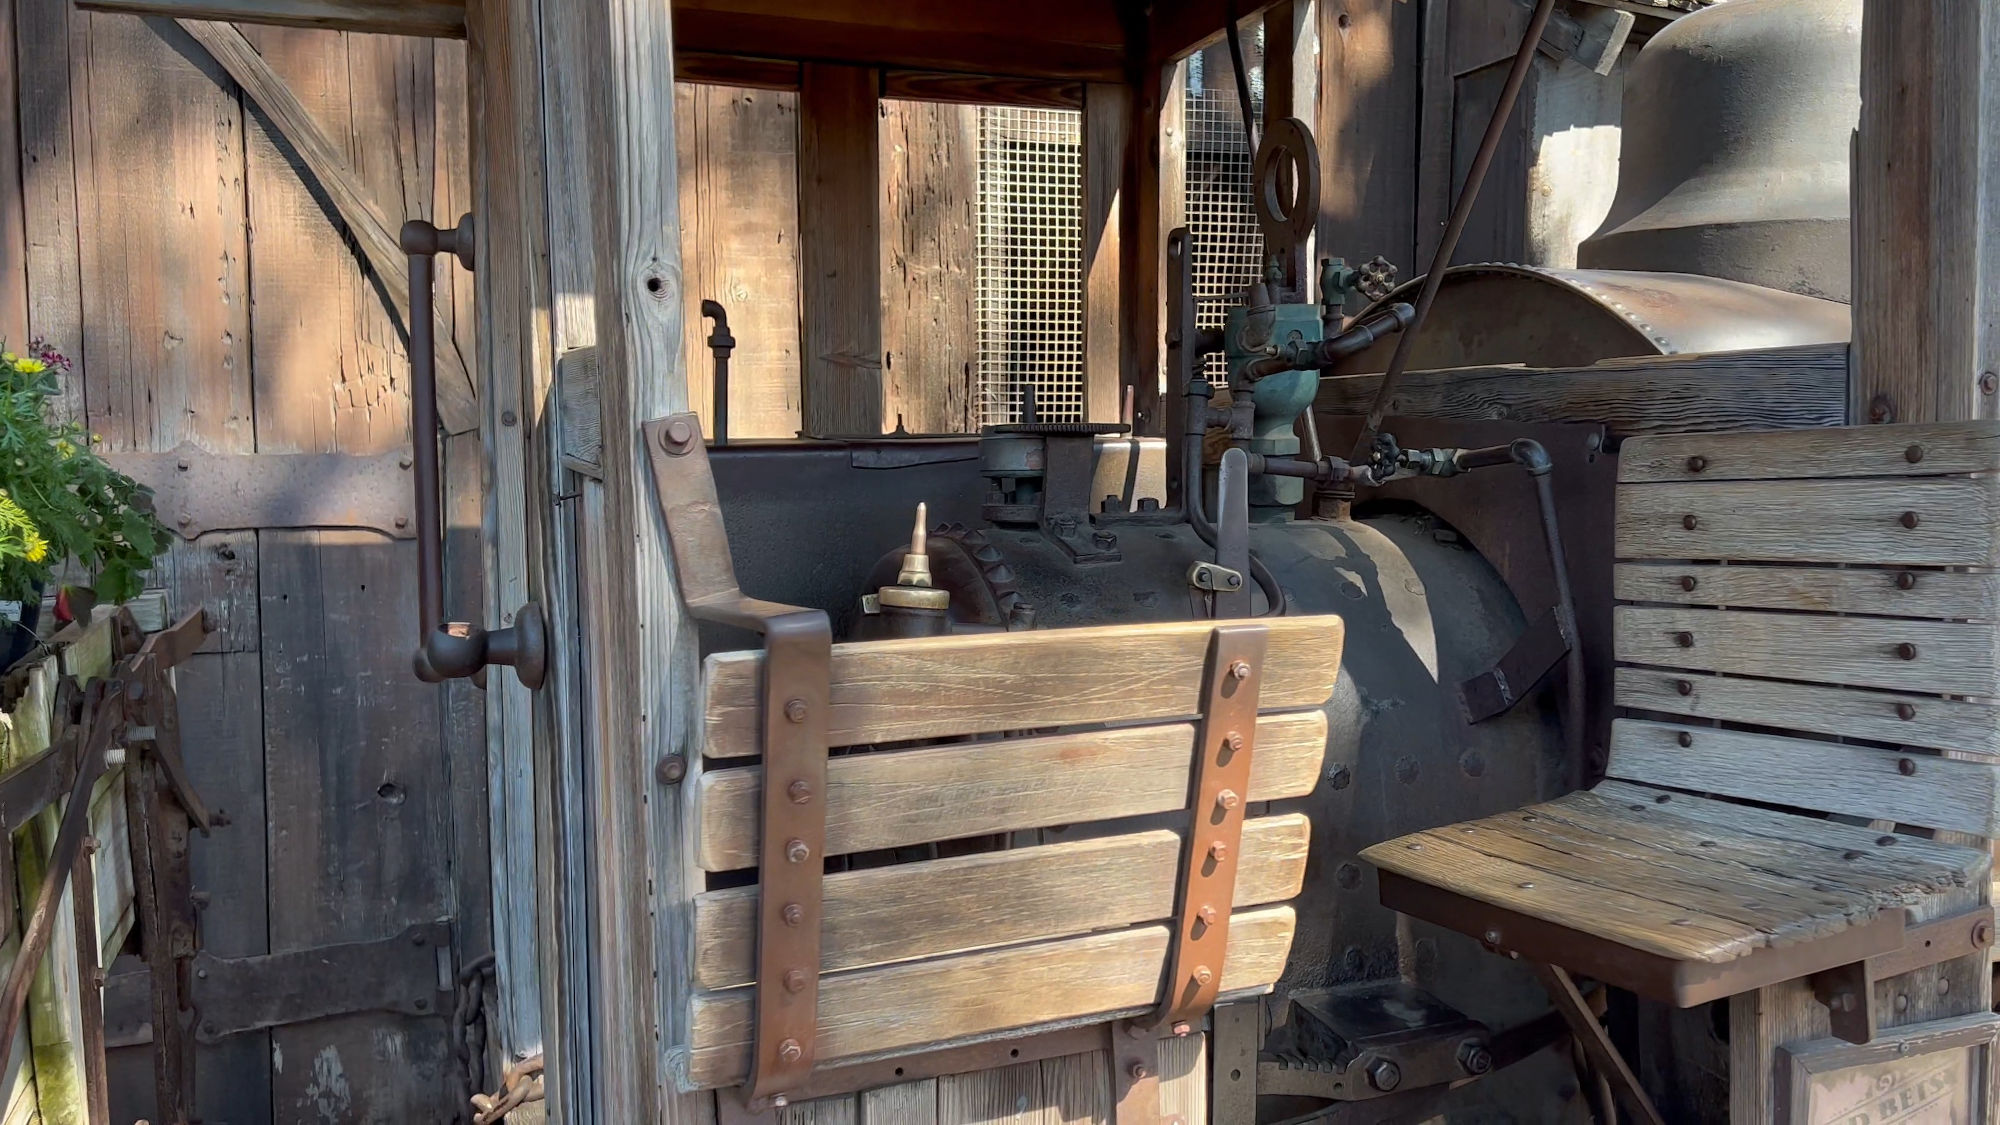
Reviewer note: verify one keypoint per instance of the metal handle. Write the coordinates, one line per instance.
(449, 650)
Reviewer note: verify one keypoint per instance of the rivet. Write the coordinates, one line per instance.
(1944, 985)
(1907, 651)
(1664, 797)
(1685, 687)
(1885, 841)
(1690, 522)
(1697, 464)
(671, 769)
(1909, 520)
(1685, 640)
(790, 1051)
(507, 418)
(1240, 670)
(797, 851)
(1913, 454)
(795, 710)
(1234, 740)
(795, 980)
(1906, 581)
(1684, 738)
(1218, 851)
(1902, 1002)
(1491, 936)
(1906, 767)
(1206, 914)
(1203, 975)
(1137, 1071)
(1906, 711)
(1227, 799)
(793, 914)
(1688, 582)
(799, 791)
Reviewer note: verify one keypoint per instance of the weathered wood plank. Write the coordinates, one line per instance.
(981, 89)
(950, 792)
(13, 204)
(1078, 1088)
(49, 183)
(1776, 388)
(936, 687)
(929, 210)
(840, 251)
(1926, 450)
(1941, 724)
(1107, 114)
(1003, 1095)
(440, 18)
(905, 911)
(881, 1011)
(735, 70)
(1943, 658)
(1936, 792)
(1870, 591)
(1957, 521)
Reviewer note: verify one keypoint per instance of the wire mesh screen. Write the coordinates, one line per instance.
(1030, 280)
(1225, 247)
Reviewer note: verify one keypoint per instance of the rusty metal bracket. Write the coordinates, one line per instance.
(1539, 648)
(1941, 939)
(1848, 991)
(235, 995)
(798, 653)
(196, 491)
(1135, 1075)
(1225, 743)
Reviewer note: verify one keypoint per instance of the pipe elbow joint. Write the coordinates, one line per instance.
(1529, 454)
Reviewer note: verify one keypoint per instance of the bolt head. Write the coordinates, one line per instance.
(1684, 738)
(790, 1051)
(1906, 711)
(1203, 975)
(1137, 1070)
(1385, 1075)
(1206, 914)
(1688, 582)
(1218, 851)
(1227, 799)
(797, 851)
(795, 710)
(1475, 1058)
(799, 791)
(678, 437)
(1906, 581)
(1909, 520)
(1491, 937)
(793, 914)
(1906, 651)
(1697, 464)
(1684, 687)
(1684, 640)
(1240, 670)
(1690, 523)
(1906, 767)
(1913, 454)
(671, 769)
(1234, 741)
(795, 980)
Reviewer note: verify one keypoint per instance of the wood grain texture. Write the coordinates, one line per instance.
(911, 910)
(839, 251)
(13, 203)
(1937, 792)
(739, 223)
(906, 1103)
(1814, 521)
(355, 205)
(1366, 125)
(980, 89)
(1750, 390)
(48, 184)
(905, 797)
(1875, 716)
(937, 687)
(882, 1011)
(1947, 658)
(929, 215)
(1004, 1095)
(440, 18)
(1870, 591)
(735, 70)
(1107, 114)
(1077, 1088)
(1910, 450)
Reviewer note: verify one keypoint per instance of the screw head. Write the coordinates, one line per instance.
(793, 914)
(1909, 520)
(1906, 651)
(671, 769)
(790, 1051)
(1690, 523)
(1227, 799)
(1906, 767)
(1684, 640)
(1218, 851)
(797, 851)
(1688, 582)
(1491, 937)
(1240, 670)
(795, 710)
(1684, 687)
(1697, 464)
(1906, 711)
(1203, 975)
(1475, 1058)
(1913, 454)
(1906, 581)
(1684, 738)
(795, 980)
(1137, 1070)
(799, 792)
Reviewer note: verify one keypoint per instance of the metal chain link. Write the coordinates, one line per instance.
(520, 1085)
(468, 1034)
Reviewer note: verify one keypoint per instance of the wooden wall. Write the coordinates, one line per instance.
(156, 227)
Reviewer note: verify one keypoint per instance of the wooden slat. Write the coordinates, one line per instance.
(1770, 388)
(1940, 724)
(937, 687)
(929, 310)
(980, 89)
(839, 251)
(433, 18)
(1933, 449)
(950, 792)
(911, 910)
(881, 1011)
(1829, 521)
(1950, 658)
(1876, 592)
(1856, 780)
(735, 70)
(1107, 114)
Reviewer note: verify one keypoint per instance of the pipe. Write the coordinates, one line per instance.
(1461, 211)
(1311, 354)
(720, 344)
(1530, 455)
(1242, 78)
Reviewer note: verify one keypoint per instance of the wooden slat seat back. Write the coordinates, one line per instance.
(938, 740)
(1805, 639)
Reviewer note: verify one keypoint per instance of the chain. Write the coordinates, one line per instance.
(468, 1032)
(520, 1085)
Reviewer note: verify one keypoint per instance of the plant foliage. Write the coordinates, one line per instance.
(59, 500)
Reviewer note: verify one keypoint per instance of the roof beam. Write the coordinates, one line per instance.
(435, 19)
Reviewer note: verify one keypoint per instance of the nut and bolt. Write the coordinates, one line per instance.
(799, 791)
(1234, 740)
(1906, 711)
(1227, 799)
(671, 769)
(1206, 914)
(1475, 1058)
(795, 980)
(1103, 539)
(1906, 767)
(1491, 937)
(678, 437)
(1203, 975)
(1138, 1071)
(797, 851)
(793, 914)
(1384, 1075)
(795, 710)
(790, 1051)
(1218, 851)
(1240, 670)
(1906, 651)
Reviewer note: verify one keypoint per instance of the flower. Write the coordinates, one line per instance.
(29, 366)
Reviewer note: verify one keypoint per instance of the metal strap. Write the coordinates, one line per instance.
(1225, 743)
(1135, 1075)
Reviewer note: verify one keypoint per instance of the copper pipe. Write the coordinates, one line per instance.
(1460, 213)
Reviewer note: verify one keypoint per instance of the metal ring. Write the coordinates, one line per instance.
(1287, 149)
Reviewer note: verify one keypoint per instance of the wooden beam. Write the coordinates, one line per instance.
(1107, 119)
(736, 70)
(436, 19)
(458, 402)
(839, 253)
(1141, 245)
(1179, 30)
(1927, 213)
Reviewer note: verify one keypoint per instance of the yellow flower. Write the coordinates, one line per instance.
(65, 448)
(18, 534)
(29, 366)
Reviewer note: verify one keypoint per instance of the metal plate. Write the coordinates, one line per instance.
(195, 491)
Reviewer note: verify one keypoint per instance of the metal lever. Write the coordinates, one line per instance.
(448, 650)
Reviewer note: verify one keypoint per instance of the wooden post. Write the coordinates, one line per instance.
(1141, 242)
(1107, 117)
(1926, 212)
(840, 264)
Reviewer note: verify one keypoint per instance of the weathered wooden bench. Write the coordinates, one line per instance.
(852, 914)
(1807, 617)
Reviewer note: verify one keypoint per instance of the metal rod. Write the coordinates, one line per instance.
(1530, 455)
(720, 344)
(1242, 78)
(423, 439)
(1460, 213)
